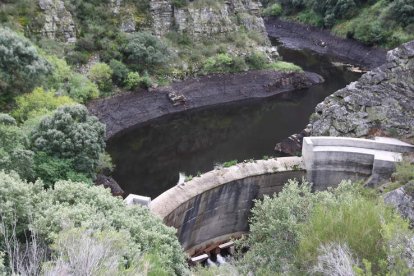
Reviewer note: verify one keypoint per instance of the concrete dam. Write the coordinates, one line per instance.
(214, 207)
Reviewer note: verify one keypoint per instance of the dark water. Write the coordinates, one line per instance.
(149, 158)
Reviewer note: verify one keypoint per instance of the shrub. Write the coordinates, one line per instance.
(101, 74)
(143, 51)
(134, 80)
(14, 155)
(81, 89)
(224, 63)
(38, 102)
(334, 259)
(257, 61)
(51, 169)
(357, 222)
(369, 33)
(284, 67)
(273, 10)
(21, 66)
(403, 11)
(71, 133)
(119, 72)
(274, 229)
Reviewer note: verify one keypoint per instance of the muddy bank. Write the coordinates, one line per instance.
(297, 36)
(125, 111)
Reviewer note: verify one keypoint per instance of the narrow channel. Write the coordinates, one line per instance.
(149, 158)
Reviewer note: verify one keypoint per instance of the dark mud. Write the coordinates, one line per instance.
(125, 111)
(298, 37)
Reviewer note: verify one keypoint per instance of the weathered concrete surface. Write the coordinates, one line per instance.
(298, 36)
(218, 203)
(128, 110)
(329, 160)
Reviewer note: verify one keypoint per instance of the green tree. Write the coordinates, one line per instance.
(101, 74)
(144, 51)
(21, 66)
(38, 102)
(71, 133)
(14, 154)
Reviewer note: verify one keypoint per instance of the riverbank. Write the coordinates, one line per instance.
(125, 111)
(297, 36)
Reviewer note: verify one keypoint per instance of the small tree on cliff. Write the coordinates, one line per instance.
(71, 133)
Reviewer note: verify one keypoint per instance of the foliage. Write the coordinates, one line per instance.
(229, 163)
(143, 51)
(51, 169)
(403, 11)
(38, 102)
(21, 65)
(73, 204)
(134, 80)
(14, 155)
(81, 89)
(284, 66)
(71, 133)
(273, 10)
(179, 3)
(274, 229)
(224, 63)
(257, 60)
(119, 72)
(101, 74)
(334, 259)
(404, 172)
(299, 231)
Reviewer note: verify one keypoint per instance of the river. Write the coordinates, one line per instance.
(149, 158)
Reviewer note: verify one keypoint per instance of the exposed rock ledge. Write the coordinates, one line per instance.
(381, 102)
(128, 110)
(297, 36)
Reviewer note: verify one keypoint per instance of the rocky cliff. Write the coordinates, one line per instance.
(380, 102)
(206, 18)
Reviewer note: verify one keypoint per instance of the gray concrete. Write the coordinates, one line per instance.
(215, 206)
(328, 160)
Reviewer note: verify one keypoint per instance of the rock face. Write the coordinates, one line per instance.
(381, 102)
(59, 22)
(403, 199)
(206, 20)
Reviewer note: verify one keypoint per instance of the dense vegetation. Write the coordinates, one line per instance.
(374, 22)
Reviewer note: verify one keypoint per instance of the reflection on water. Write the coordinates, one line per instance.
(148, 159)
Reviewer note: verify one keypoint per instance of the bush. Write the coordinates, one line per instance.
(134, 80)
(101, 74)
(52, 169)
(369, 33)
(284, 67)
(38, 102)
(274, 229)
(119, 72)
(21, 66)
(273, 10)
(71, 133)
(81, 89)
(403, 11)
(14, 155)
(257, 61)
(105, 219)
(224, 63)
(145, 52)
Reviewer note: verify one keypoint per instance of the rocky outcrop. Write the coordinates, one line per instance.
(205, 20)
(380, 102)
(59, 23)
(109, 182)
(403, 200)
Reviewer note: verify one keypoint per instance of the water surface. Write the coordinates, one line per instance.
(149, 158)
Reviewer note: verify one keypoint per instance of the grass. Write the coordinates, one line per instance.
(230, 163)
(283, 66)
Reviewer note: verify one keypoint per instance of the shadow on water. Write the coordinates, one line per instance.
(149, 158)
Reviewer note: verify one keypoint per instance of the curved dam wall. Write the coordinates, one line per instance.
(215, 206)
